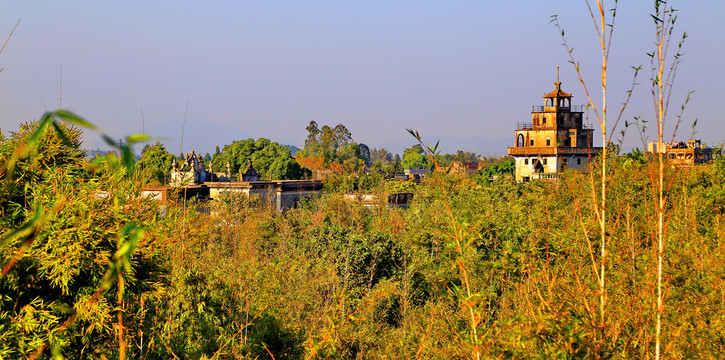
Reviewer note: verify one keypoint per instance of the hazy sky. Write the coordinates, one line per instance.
(464, 72)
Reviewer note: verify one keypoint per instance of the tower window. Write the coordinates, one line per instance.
(548, 141)
(544, 161)
(520, 140)
(526, 161)
(543, 121)
(531, 142)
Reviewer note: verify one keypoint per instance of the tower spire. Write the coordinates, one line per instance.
(557, 74)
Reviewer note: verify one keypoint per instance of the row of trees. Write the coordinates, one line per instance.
(333, 148)
(269, 159)
(326, 148)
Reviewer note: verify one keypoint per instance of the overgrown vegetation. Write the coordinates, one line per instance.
(489, 269)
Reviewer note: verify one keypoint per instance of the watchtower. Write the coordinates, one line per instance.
(554, 140)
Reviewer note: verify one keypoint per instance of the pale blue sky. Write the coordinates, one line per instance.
(461, 71)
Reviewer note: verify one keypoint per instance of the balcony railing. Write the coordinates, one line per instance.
(542, 108)
(545, 176)
(530, 126)
(578, 150)
(532, 150)
(553, 150)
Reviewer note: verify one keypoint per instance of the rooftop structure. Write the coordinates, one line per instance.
(191, 172)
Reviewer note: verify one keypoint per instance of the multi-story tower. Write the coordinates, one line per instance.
(556, 139)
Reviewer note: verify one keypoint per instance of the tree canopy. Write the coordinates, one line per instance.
(332, 148)
(271, 160)
(156, 163)
(414, 158)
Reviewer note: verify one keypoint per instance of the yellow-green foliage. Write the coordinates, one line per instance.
(502, 270)
(67, 240)
(491, 270)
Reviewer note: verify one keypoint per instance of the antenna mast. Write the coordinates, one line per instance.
(181, 146)
(60, 106)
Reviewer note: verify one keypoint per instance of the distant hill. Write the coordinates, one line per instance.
(90, 154)
(293, 149)
(480, 145)
(200, 136)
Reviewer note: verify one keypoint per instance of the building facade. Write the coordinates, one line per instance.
(555, 140)
(191, 172)
(684, 153)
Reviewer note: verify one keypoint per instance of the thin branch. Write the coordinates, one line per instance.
(570, 51)
(626, 101)
(9, 36)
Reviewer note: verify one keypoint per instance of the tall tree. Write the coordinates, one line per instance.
(329, 147)
(365, 153)
(156, 162)
(414, 158)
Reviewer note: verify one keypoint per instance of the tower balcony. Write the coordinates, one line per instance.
(542, 108)
(552, 150)
(531, 126)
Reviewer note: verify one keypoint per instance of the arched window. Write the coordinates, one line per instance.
(548, 141)
(520, 141)
(531, 142)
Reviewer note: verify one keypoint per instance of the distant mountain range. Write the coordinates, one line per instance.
(450, 145)
(202, 137)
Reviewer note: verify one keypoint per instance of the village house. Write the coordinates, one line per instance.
(682, 153)
(193, 180)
